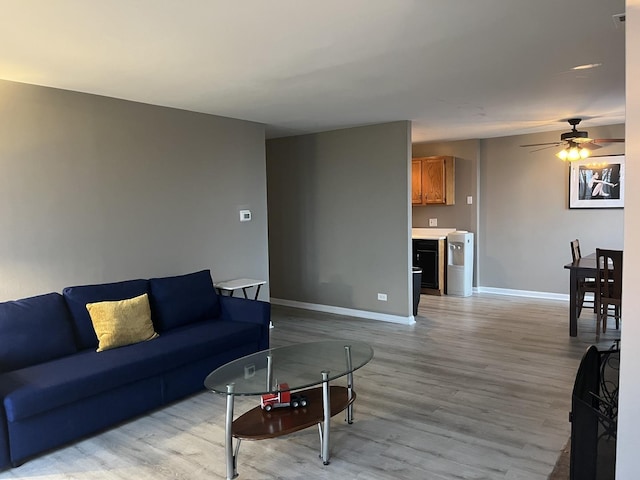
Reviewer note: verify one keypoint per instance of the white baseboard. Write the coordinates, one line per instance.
(410, 320)
(349, 312)
(523, 293)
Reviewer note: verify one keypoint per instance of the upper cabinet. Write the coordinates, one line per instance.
(432, 181)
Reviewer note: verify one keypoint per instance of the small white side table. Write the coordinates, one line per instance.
(240, 284)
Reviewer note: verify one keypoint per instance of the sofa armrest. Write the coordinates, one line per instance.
(5, 458)
(236, 309)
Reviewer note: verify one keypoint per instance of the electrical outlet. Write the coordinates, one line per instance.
(469, 200)
(249, 371)
(245, 215)
(382, 297)
(433, 222)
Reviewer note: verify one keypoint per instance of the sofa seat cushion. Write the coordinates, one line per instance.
(34, 330)
(183, 299)
(44, 387)
(78, 297)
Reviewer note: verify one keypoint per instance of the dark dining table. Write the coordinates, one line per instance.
(582, 268)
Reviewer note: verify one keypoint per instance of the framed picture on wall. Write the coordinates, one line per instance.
(597, 182)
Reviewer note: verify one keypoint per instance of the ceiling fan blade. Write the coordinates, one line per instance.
(609, 140)
(541, 144)
(590, 146)
(544, 148)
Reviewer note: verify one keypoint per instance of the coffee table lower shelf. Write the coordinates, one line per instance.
(257, 424)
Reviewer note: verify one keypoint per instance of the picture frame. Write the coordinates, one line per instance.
(597, 182)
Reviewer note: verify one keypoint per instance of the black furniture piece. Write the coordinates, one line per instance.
(594, 415)
(426, 257)
(417, 282)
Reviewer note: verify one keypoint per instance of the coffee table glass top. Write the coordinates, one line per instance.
(299, 365)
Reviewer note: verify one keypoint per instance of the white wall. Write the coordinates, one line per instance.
(94, 189)
(628, 461)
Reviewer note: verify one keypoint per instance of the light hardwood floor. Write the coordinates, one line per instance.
(479, 388)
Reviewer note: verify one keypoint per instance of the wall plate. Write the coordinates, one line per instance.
(245, 215)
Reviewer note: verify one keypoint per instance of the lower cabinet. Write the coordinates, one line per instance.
(429, 255)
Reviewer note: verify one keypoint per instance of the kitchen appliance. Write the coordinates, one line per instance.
(426, 257)
(460, 264)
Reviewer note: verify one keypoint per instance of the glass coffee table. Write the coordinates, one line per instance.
(294, 382)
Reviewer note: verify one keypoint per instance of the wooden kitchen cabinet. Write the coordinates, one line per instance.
(433, 181)
(416, 182)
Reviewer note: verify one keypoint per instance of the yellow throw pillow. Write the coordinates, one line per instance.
(122, 322)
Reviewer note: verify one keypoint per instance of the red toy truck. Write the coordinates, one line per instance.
(282, 398)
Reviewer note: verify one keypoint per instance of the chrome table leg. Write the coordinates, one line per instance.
(321, 438)
(231, 456)
(347, 350)
(326, 405)
(270, 386)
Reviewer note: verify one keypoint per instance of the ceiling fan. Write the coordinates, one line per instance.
(577, 143)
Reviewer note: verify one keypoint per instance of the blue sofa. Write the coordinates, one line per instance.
(55, 387)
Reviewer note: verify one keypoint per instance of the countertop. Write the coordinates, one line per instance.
(431, 233)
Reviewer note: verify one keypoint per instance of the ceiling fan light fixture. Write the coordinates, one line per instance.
(573, 152)
(578, 145)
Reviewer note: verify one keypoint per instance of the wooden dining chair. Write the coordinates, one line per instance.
(585, 285)
(609, 287)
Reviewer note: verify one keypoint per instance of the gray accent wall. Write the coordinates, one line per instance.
(94, 189)
(526, 224)
(339, 218)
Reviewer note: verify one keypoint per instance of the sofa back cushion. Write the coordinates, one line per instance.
(78, 297)
(34, 330)
(183, 299)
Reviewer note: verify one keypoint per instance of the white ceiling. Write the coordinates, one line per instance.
(456, 68)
